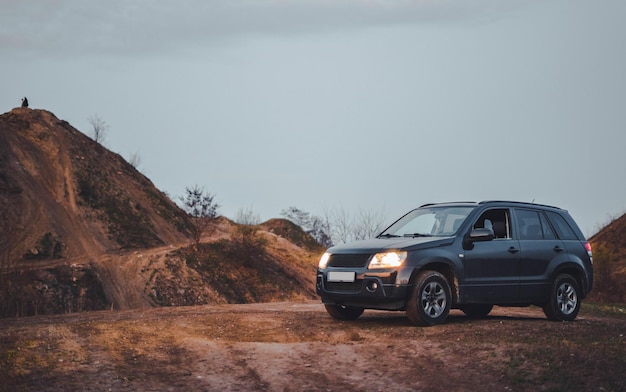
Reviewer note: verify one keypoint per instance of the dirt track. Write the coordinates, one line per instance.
(297, 347)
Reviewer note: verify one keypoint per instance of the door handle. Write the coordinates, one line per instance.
(513, 250)
(557, 249)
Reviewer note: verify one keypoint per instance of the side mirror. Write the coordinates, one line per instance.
(478, 235)
(481, 235)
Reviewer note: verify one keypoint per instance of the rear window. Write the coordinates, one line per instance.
(563, 229)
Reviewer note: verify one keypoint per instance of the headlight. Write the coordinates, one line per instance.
(324, 260)
(387, 260)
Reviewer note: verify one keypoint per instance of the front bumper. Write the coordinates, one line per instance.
(370, 290)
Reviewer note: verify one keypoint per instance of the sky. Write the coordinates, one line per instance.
(358, 105)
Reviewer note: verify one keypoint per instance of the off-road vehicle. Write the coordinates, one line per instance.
(465, 255)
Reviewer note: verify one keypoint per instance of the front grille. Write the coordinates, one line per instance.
(353, 260)
(344, 286)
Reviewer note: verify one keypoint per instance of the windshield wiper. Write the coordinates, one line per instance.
(417, 235)
(387, 235)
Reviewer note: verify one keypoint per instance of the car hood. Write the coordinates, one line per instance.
(375, 245)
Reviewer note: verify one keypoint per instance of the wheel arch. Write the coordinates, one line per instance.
(577, 272)
(445, 268)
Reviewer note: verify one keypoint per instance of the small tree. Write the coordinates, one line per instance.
(297, 216)
(199, 205)
(318, 229)
(607, 285)
(99, 128)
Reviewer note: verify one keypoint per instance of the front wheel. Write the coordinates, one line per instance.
(342, 312)
(565, 299)
(430, 300)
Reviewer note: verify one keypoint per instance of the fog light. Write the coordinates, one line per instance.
(372, 286)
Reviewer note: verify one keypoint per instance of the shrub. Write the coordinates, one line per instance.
(607, 283)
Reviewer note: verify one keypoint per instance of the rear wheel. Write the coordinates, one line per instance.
(477, 310)
(342, 312)
(430, 299)
(565, 299)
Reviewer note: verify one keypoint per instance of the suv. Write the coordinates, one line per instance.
(468, 256)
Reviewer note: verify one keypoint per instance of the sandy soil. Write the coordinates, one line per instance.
(298, 347)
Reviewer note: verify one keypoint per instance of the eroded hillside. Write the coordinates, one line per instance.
(64, 195)
(609, 255)
(82, 229)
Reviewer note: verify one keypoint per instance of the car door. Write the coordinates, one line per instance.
(491, 268)
(539, 246)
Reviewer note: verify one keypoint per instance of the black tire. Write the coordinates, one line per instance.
(477, 310)
(341, 312)
(430, 300)
(565, 299)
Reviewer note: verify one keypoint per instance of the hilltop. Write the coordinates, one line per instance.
(84, 230)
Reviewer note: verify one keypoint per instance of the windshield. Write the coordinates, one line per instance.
(429, 221)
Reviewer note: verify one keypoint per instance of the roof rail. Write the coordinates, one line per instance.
(447, 202)
(521, 203)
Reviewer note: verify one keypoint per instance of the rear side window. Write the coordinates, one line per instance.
(529, 225)
(533, 225)
(548, 233)
(563, 229)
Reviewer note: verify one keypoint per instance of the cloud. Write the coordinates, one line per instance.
(126, 28)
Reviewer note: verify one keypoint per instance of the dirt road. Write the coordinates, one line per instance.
(297, 347)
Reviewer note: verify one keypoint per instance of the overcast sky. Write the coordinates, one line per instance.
(353, 104)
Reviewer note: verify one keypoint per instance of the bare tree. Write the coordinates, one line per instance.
(99, 128)
(345, 226)
(368, 224)
(247, 217)
(341, 227)
(135, 160)
(199, 205)
(320, 230)
(338, 225)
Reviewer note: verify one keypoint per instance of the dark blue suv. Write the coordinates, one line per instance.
(468, 256)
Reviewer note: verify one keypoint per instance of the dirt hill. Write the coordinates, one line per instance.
(609, 255)
(64, 195)
(612, 237)
(82, 229)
